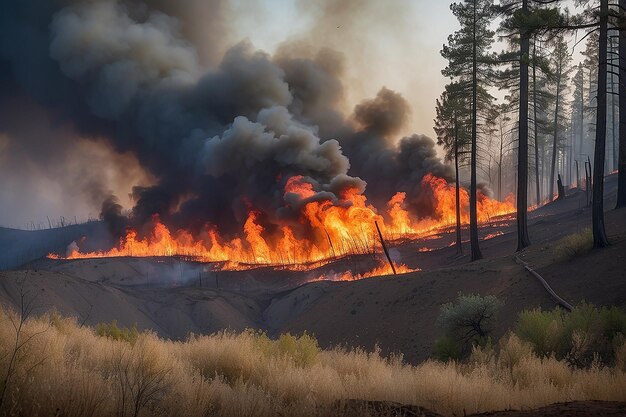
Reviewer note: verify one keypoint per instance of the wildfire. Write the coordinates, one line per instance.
(335, 229)
(382, 269)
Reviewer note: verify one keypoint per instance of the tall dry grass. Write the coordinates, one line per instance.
(69, 370)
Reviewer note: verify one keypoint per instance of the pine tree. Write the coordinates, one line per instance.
(578, 116)
(525, 21)
(599, 233)
(561, 61)
(469, 61)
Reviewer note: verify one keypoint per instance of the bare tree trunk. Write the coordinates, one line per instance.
(621, 176)
(523, 239)
(537, 182)
(382, 242)
(614, 152)
(599, 233)
(459, 242)
(475, 248)
(500, 161)
(582, 115)
(556, 133)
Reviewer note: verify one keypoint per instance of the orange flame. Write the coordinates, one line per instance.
(382, 269)
(338, 228)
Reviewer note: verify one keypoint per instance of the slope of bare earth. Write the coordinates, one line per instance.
(397, 313)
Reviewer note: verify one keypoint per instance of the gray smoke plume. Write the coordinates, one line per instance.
(219, 137)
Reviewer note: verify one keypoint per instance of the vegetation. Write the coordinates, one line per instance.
(111, 330)
(566, 131)
(469, 63)
(466, 324)
(574, 245)
(66, 369)
(585, 335)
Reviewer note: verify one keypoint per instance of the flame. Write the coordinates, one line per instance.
(334, 229)
(382, 269)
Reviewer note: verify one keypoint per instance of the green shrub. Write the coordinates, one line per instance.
(578, 336)
(542, 329)
(112, 331)
(574, 245)
(468, 322)
(303, 349)
(447, 348)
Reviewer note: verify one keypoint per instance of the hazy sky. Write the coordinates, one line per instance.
(400, 51)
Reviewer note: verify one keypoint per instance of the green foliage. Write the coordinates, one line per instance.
(574, 245)
(468, 322)
(112, 331)
(580, 336)
(303, 349)
(447, 348)
(542, 329)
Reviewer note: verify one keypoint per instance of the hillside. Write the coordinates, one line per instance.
(397, 313)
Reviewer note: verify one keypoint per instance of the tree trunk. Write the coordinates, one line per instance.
(621, 176)
(473, 182)
(522, 155)
(582, 115)
(500, 161)
(459, 242)
(555, 135)
(537, 181)
(599, 233)
(614, 161)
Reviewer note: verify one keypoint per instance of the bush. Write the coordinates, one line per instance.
(303, 350)
(112, 331)
(578, 336)
(468, 323)
(447, 348)
(542, 329)
(574, 245)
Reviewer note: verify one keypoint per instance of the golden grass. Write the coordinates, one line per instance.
(71, 371)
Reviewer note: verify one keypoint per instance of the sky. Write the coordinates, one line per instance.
(400, 51)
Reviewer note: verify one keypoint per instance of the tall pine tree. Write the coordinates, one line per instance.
(469, 61)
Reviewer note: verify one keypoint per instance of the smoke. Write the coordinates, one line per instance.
(218, 137)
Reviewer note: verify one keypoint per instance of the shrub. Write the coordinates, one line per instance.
(578, 337)
(542, 329)
(574, 245)
(303, 349)
(112, 331)
(447, 348)
(468, 322)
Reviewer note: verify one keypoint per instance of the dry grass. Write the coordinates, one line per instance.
(71, 371)
(574, 245)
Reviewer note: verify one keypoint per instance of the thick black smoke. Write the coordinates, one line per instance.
(218, 139)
